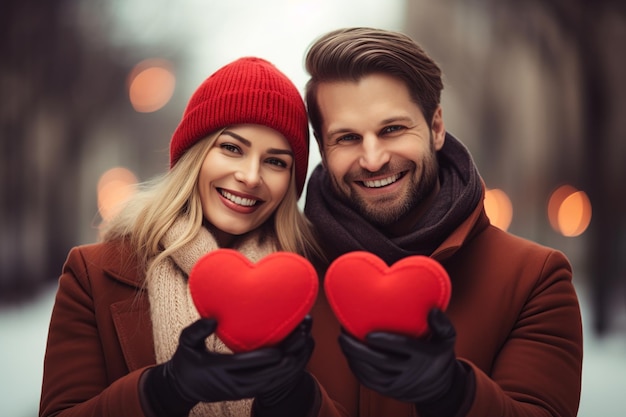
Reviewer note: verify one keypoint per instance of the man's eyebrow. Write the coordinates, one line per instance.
(337, 131)
(273, 151)
(396, 119)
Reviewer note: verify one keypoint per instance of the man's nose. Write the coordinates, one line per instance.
(374, 153)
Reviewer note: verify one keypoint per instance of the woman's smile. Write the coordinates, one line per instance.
(242, 203)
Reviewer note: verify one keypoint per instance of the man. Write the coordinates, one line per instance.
(393, 182)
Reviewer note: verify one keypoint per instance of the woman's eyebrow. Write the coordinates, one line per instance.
(239, 138)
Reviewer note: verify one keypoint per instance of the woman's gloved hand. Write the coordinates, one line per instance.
(194, 374)
(296, 389)
(420, 371)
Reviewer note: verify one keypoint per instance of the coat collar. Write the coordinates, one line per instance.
(120, 262)
(474, 224)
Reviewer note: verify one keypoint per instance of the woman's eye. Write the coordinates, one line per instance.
(230, 147)
(278, 162)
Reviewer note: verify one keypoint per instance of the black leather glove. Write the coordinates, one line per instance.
(422, 371)
(295, 391)
(195, 375)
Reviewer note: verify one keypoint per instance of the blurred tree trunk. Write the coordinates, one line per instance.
(585, 23)
(604, 190)
(49, 99)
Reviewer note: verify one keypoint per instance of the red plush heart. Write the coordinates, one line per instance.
(366, 295)
(255, 305)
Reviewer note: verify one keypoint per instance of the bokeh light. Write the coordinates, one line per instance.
(499, 208)
(151, 85)
(569, 211)
(115, 186)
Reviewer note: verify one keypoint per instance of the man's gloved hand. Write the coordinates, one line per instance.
(195, 375)
(421, 371)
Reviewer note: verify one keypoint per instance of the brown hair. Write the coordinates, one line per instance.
(352, 53)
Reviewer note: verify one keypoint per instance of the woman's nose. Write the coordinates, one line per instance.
(374, 153)
(249, 173)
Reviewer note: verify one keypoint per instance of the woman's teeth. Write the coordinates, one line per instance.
(238, 200)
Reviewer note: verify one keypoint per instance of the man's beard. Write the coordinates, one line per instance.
(385, 211)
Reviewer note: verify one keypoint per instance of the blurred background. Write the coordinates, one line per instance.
(92, 91)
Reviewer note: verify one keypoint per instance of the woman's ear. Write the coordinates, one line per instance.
(438, 129)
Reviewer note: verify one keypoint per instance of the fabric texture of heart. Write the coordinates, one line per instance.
(255, 305)
(366, 295)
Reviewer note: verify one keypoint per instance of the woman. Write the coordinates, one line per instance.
(238, 162)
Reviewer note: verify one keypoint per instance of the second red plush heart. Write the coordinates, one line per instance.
(255, 305)
(367, 295)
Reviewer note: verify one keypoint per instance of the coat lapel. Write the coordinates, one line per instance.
(134, 331)
(131, 314)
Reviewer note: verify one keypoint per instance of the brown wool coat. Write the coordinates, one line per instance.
(518, 327)
(513, 305)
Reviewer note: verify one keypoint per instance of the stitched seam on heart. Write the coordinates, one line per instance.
(379, 265)
(444, 284)
(312, 292)
(306, 306)
(440, 274)
(442, 280)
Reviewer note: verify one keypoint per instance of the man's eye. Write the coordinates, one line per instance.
(347, 138)
(393, 129)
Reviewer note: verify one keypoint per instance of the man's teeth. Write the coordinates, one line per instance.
(381, 183)
(238, 200)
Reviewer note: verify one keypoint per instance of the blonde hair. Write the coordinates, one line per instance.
(150, 213)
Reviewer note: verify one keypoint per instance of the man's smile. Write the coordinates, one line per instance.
(382, 182)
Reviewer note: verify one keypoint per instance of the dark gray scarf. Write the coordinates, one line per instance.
(343, 230)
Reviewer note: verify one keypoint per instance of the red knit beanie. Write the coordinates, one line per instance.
(248, 90)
